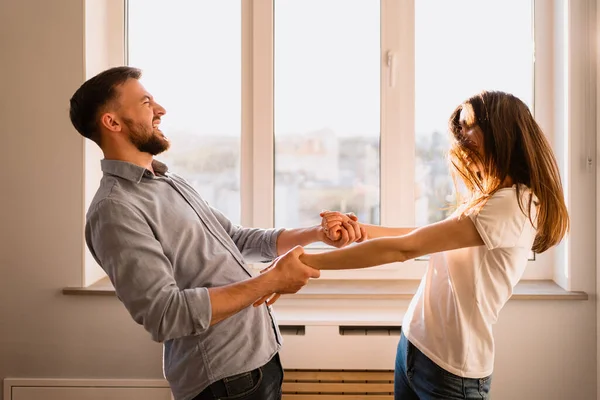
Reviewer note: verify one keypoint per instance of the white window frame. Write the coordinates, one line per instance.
(397, 117)
(564, 106)
(105, 47)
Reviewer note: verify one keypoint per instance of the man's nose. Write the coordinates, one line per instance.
(159, 110)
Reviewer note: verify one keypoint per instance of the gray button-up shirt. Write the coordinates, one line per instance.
(162, 246)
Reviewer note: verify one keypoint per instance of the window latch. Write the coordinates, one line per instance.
(390, 64)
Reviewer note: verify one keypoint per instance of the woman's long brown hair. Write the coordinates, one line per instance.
(514, 147)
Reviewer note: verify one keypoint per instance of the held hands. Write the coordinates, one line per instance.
(340, 229)
(289, 275)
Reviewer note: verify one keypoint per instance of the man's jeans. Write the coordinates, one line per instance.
(263, 383)
(416, 377)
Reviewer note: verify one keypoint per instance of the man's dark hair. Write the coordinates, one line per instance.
(93, 95)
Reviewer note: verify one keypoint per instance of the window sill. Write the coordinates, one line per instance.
(372, 289)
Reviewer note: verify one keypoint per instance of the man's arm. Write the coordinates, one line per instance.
(289, 238)
(255, 244)
(286, 275)
(124, 245)
(267, 244)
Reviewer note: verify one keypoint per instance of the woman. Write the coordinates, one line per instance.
(514, 204)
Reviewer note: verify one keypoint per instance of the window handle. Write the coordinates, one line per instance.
(390, 64)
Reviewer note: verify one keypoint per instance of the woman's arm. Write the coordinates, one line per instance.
(376, 231)
(450, 234)
(332, 221)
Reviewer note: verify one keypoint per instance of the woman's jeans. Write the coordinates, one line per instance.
(416, 377)
(263, 383)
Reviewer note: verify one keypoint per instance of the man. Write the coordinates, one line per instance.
(176, 263)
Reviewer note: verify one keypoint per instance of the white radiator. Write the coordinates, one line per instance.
(339, 347)
(339, 334)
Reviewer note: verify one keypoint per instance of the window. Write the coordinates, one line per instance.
(190, 53)
(470, 50)
(279, 109)
(474, 53)
(327, 109)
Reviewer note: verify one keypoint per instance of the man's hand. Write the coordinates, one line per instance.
(289, 275)
(340, 229)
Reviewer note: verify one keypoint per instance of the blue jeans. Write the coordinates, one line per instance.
(416, 377)
(263, 383)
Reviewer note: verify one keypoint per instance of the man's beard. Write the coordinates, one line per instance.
(146, 140)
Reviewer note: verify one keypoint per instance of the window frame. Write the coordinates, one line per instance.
(397, 151)
(562, 85)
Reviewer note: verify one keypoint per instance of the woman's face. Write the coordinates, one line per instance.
(471, 131)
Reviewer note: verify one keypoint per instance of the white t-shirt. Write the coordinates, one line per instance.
(450, 318)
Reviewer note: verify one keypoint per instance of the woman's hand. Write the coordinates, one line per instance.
(341, 229)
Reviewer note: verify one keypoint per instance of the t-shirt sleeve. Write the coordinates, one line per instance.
(500, 221)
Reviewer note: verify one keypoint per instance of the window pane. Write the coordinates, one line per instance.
(190, 54)
(327, 94)
(462, 47)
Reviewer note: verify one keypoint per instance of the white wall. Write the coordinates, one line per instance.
(546, 349)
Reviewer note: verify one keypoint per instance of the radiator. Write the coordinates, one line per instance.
(339, 347)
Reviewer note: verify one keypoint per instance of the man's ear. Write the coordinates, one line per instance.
(110, 122)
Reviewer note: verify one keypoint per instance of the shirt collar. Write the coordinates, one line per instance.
(129, 171)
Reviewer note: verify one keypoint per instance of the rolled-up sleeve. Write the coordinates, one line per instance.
(124, 245)
(255, 244)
